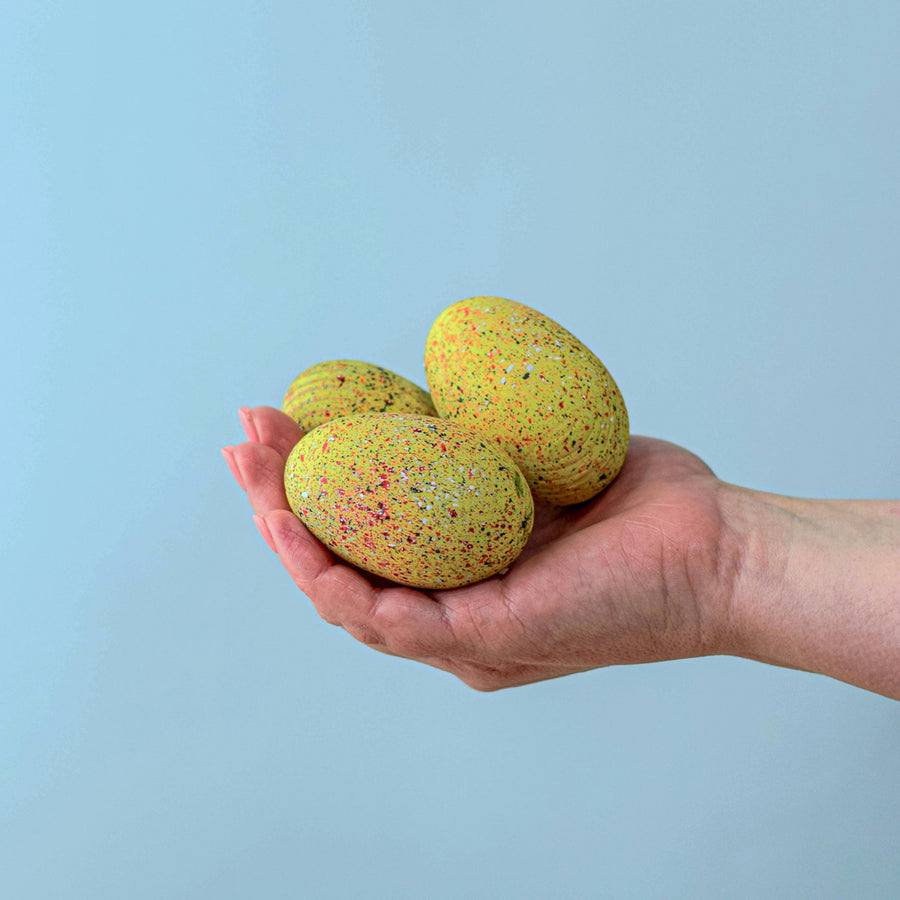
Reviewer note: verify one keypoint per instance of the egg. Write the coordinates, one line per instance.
(520, 379)
(418, 500)
(343, 387)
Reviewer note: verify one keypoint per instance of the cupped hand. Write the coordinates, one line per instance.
(640, 573)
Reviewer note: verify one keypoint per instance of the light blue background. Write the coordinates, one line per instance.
(201, 199)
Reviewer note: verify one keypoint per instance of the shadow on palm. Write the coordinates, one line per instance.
(663, 503)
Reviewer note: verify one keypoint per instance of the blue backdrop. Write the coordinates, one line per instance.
(201, 199)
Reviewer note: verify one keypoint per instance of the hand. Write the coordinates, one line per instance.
(641, 573)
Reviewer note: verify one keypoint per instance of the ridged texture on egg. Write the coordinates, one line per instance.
(514, 375)
(343, 387)
(421, 501)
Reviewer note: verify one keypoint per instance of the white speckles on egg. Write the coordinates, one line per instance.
(555, 399)
(421, 501)
(342, 387)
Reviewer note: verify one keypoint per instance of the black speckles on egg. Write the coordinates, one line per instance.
(422, 501)
(342, 387)
(516, 376)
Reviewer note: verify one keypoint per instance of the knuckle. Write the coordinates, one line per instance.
(483, 681)
(397, 627)
(328, 616)
(407, 644)
(365, 634)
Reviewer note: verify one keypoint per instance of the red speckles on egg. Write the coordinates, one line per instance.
(422, 501)
(342, 387)
(522, 380)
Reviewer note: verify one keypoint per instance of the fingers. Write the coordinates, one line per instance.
(270, 426)
(260, 471)
(397, 620)
(258, 464)
(228, 454)
(443, 630)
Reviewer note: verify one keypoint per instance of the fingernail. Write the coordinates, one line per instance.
(247, 422)
(264, 531)
(228, 453)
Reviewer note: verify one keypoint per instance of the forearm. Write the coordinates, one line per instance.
(817, 585)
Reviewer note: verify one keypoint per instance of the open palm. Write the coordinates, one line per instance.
(635, 575)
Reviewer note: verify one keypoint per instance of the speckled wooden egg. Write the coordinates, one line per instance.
(421, 501)
(343, 387)
(512, 374)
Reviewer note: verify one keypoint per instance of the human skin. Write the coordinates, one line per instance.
(668, 562)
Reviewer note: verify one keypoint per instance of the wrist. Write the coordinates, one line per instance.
(815, 585)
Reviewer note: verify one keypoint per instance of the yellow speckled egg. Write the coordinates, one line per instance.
(514, 375)
(343, 387)
(418, 500)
